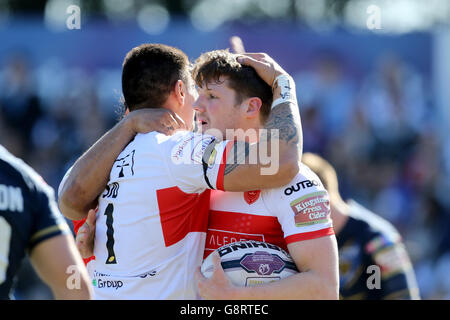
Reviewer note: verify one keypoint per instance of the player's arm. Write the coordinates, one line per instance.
(52, 249)
(282, 139)
(317, 260)
(304, 215)
(85, 236)
(398, 281)
(58, 263)
(89, 175)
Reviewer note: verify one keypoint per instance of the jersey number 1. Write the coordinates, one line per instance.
(110, 235)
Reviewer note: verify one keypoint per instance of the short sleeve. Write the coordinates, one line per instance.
(197, 161)
(302, 207)
(48, 221)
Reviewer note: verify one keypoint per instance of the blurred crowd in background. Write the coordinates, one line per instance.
(381, 130)
(383, 137)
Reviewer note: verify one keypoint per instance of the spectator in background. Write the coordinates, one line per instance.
(327, 98)
(19, 104)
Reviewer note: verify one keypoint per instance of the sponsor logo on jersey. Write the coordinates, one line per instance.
(177, 153)
(199, 150)
(212, 158)
(311, 209)
(111, 190)
(301, 185)
(251, 196)
(191, 149)
(218, 238)
(99, 274)
(11, 198)
(101, 284)
(124, 165)
(145, 275)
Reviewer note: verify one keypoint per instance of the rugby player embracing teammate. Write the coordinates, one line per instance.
(277, 216)
(152, 216)
(295, 216)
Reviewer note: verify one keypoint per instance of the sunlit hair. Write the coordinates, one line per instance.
(244, 80)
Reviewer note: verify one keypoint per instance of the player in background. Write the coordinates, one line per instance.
(264, 215)
(30, 223)
(364, 240)
(152, 216)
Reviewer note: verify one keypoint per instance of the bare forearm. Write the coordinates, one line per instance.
(302, 286)
(285, 118)
(90, 172)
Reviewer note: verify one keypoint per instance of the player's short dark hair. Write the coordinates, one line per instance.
(244, 80)
(149, 74)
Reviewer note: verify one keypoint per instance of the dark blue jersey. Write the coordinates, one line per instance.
(373, 261)
(28, 215)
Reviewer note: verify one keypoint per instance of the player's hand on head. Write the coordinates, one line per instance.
(218, 287)
(267, 68)
(86, 236)
(158, 119)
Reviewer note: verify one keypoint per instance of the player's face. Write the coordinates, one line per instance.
(187, 113)
(216, 107)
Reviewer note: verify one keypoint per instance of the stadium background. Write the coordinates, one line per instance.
(374, 102)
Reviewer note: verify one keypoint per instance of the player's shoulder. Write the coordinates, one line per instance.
(154, 143)
(16, 172)
(180, 149)
(180, 138)
(186, 147)
(379, 231)
(304, 195)
(153, 137)
(304, 182)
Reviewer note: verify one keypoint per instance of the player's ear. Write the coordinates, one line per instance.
(253, 106)
(180, 91)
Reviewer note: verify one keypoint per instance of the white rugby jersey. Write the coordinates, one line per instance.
(152, 218)
(298, 211)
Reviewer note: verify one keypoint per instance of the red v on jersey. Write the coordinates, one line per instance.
(181, 213)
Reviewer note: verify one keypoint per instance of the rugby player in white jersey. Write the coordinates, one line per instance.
(277, 216)
(152, 215)
(295, 216)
